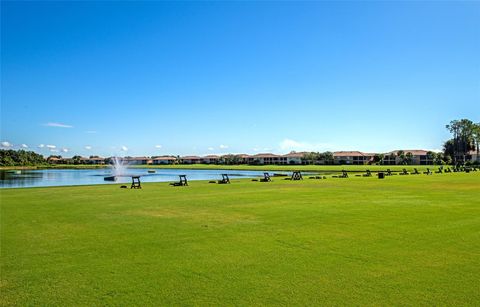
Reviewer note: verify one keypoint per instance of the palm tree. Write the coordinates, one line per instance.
(409, 158)
(401, 156)
(463, 131)
(476, 138)
(378, 158)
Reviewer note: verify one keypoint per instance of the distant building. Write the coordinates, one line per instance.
(351, 157)
(246, 159)
(163, 160)
(210, 159)
(269, 158)
(94, 160)
(294, 157)
(419, 157)
(191, 160)
(473, 156)
(54, 160)
(137, 160)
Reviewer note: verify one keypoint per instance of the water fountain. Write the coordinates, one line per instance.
(118, 169)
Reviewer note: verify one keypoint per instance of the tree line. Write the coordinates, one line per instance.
(9, 157)
(465, 138)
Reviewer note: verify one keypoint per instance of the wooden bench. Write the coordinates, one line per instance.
(343, 175)
(367, 174)
(296, 175)
(428, 172)
(266, 178)
(136, 183)
(224, 179)
(404, 172)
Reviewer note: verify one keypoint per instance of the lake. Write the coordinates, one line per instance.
(66, 177)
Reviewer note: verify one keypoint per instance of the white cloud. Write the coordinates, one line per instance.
(41, 146)
(58, 125)
(6, 144)
(53, 150)
(124, 148)
(64, 149)
(223, 146)
(88, 147)
(91, 131)
(289, 145)
(158, 146)
(51, 146)
(24, 146)
(211, 148)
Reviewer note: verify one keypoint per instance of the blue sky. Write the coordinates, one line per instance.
(152, 78)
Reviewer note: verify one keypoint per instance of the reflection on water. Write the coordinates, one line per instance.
(64, 177)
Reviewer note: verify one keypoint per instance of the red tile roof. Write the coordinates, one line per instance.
(191, 158)
(415, 152)
(295, 154)
(348, 154)
(211, 157)
(266, 155)
(244, 156)
(164, 158)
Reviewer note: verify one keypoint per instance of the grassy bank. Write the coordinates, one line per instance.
(405, 240)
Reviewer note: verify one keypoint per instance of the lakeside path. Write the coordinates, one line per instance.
(405, 240)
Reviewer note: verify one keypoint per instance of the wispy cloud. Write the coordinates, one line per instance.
(88, 147)
(211, 148)
(91, 131)
(6, 144)
(124, 148)
(65, 150)
(51, 146)
(24, 146)
(223, 146)
(53, 150)
(58, 125)
(158, 146)
(289, 145)
(41, 146)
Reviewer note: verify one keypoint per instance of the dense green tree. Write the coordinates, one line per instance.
(311, 157)
(20, 158)
(476, 138)
(401, 156)
(408, 158)
(230, 159)
(378, 158)
(327, 157)
(463, 138)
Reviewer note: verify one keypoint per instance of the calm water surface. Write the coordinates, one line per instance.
(65, 177)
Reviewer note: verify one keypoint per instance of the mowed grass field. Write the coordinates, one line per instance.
(406, 240)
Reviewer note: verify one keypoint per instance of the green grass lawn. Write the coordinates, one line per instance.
(405, 240)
